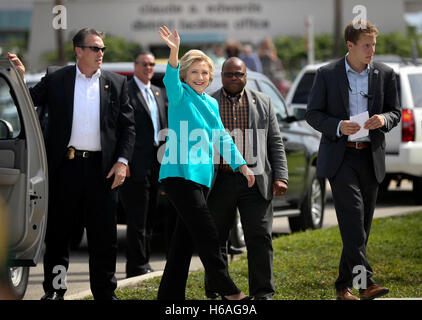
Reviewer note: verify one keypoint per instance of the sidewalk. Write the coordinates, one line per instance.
(125, 283)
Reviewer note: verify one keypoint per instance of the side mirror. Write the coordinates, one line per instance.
(6, 130)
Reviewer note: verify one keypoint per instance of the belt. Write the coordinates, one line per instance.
(358, 145)
(72, 153)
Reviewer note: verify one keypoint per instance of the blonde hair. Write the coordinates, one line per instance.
(192, 56)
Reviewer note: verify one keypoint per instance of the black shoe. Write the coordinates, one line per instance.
(263, 298)
(234, 250)
(139, 273)
(52, 296)
(212, 295)
(106, 297)
(243, 299)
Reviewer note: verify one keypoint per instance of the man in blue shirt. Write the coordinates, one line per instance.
(355, 167)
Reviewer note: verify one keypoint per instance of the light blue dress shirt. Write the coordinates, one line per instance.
(152, 105)
(195, 127)
(358, 89)
(153, 108)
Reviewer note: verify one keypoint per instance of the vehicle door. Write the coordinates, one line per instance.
(295, 149)
(23, 168)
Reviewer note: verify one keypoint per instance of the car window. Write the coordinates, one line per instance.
(304, 88)
(278, 103)
(9, 115)
(415, 81)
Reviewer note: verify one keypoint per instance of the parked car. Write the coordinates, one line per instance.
(404, 142)
(23, 176)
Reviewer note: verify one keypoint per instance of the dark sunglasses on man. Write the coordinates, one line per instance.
(238, 75)
(94, 48)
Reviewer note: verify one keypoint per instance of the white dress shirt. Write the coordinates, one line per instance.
(86, 133)
(86, 112)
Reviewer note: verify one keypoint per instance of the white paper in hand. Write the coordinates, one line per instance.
(360, 119)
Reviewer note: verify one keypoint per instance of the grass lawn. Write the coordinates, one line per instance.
(306, 263)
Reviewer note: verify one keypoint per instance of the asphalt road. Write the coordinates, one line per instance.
(396, 202)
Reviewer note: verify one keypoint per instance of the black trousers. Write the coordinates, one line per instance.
(229, 192)
(139, 200)
(195, 228)
(80, 195)
(354, 189)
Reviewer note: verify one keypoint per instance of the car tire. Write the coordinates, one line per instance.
(417, 190)
(237, 237)
(18, 280)
(312, 207)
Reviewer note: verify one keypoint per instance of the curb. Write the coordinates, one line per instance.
(124, 283)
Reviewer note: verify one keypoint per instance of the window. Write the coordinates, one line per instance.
(10, 126)
(304, 88)
(278, 103)
(415, 81)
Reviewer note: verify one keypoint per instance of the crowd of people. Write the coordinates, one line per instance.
(107, 132)
(263, 59)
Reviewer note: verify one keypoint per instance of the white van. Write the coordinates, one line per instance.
(404, 142)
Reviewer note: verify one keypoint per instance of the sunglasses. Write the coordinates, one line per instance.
(94, 48)
(238, 75)
(145, 64)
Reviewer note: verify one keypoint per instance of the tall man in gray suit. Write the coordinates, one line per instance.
(139, 194)
(251, 115)
(352, 86)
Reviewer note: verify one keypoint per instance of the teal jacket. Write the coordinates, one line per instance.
(195, 129)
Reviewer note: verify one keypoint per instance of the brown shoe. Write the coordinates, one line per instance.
(346, 294)
(372, 292)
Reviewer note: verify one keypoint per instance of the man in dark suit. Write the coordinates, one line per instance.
(139, 193)
(90, 138)
(250, 113)
(348, 87)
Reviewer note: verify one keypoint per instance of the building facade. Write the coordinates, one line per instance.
(200, 22)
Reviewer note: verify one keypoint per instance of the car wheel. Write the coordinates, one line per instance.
(237, 237)
(312, 208)
(417, 190)
(18, 280)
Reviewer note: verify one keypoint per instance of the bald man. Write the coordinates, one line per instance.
(245, 111)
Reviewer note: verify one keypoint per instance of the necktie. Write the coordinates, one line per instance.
(152, 104)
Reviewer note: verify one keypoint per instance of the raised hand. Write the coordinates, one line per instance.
(171, 39)
(173, 42)
(17, 62)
